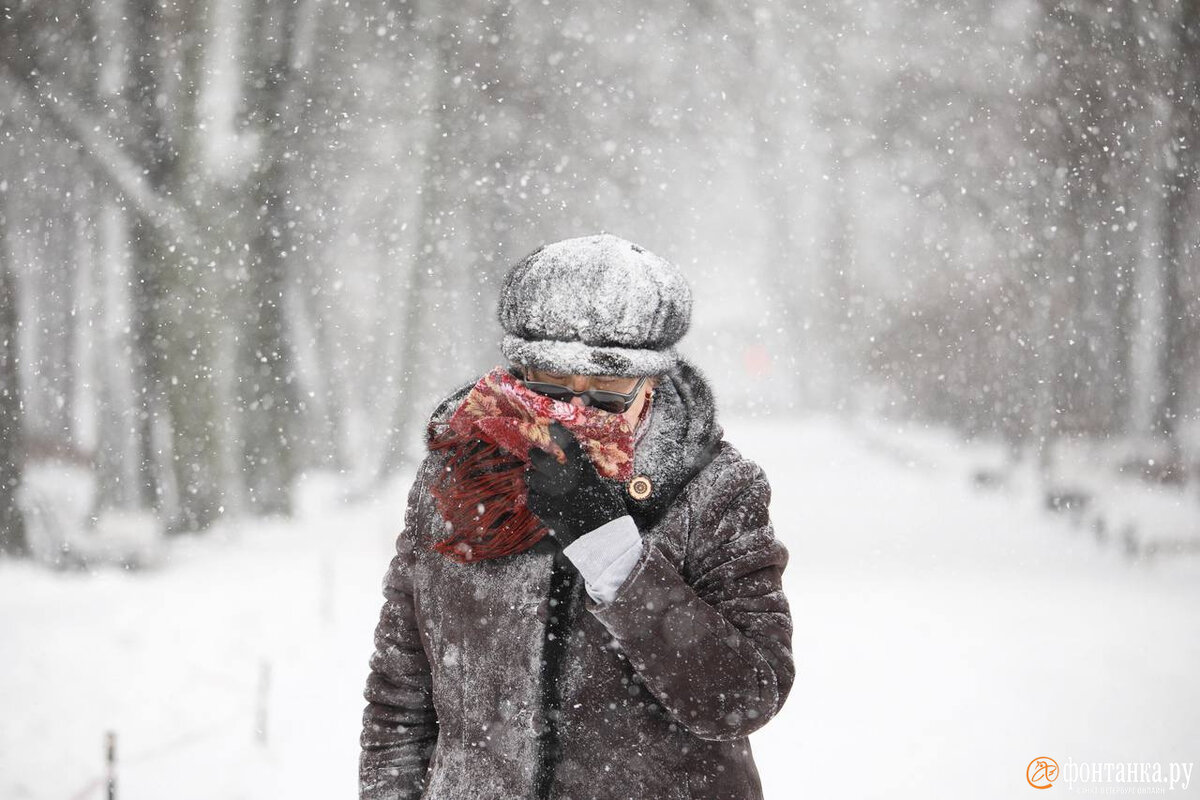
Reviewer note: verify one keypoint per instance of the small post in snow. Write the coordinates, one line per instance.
(264, 690)
(110, 763)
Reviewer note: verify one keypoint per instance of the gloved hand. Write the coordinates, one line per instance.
(571, 499)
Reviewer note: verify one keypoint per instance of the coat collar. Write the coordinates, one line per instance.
(682, 434)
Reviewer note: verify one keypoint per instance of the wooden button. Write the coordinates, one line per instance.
(640, 487)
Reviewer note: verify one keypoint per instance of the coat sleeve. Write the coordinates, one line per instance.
(716, 651)
(400, 725)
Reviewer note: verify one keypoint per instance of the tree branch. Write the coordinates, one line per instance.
(106, 158)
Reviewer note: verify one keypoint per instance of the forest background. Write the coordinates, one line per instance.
(244, 239)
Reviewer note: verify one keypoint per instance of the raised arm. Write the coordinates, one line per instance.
(715, 652)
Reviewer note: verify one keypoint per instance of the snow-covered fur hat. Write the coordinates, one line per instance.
(595, 305)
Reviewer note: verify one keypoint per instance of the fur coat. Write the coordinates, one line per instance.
(503, 679)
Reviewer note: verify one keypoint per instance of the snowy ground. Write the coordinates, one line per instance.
(944, 638)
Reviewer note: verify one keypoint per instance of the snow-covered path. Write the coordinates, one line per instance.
(944, 638)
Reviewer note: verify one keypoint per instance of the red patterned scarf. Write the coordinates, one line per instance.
(481, 493)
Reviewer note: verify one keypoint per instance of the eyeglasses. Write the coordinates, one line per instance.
(612, 402)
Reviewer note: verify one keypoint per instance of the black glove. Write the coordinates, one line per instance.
(571, 499)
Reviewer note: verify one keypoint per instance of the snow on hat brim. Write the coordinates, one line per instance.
(580, 358)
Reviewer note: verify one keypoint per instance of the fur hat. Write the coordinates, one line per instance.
(595, 305)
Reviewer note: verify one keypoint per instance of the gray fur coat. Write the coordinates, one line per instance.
(504, 679)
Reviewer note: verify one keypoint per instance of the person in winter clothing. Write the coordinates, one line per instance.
(631, 651)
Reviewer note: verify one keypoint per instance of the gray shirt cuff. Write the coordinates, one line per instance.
(605, 556)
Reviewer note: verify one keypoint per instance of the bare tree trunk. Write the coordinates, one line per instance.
(177, 295)
(413, 383)
(1124, 323)
(1173, 352)
(1129, 176)
(1179, 184)
(272, 448)
(266, 394)
(267, 388)
(148, 369)
(112, 361)
(117, 449)
(12, 529)
(335, 398)
(413, 388)
(1147, 334)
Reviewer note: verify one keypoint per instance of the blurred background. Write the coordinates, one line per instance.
(942, 249)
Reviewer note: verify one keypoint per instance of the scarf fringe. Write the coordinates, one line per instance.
(475, 494)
